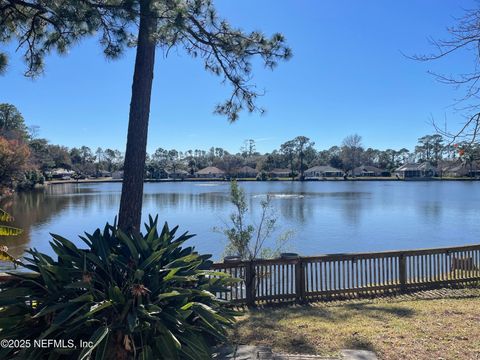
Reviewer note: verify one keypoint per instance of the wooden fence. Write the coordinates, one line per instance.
(347, 275)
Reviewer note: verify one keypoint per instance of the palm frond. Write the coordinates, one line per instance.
(4, 216)
(9, 231)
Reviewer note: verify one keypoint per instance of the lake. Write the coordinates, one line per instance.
(325, 216)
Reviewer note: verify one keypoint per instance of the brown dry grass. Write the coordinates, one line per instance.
(433, 325)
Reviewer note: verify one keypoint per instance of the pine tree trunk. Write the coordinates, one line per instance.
(132, 190)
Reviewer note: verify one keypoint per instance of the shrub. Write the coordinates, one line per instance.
(30, 179)
(262, 176)
(245, 239)
(132, 296)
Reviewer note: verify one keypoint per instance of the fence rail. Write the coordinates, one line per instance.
(316, 277)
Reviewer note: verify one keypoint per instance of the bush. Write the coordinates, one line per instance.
(140, 296)
(262, 176)
(245, 239)
(30, 179)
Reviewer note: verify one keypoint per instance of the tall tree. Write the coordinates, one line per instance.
(12, 123)
(99, 154)
(60, 156)
(335, 157)
(437, 148)
(86, 154)
(352, 152)
(302, 143)
(248, 149)
(404, 153)
(174, 159)
(42, 26)
(288, 151)
(424, 148)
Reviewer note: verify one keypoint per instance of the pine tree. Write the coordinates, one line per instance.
(43, 26)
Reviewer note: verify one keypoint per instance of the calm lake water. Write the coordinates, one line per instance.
(326, 217)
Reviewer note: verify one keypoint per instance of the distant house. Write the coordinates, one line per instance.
(369, 171)
(459, 169)
(103, 173)
(61, 173)
(117, 174)
(158, 173)
(246, 172)
(210, 172)
(412, 171)
(453, 169)
(178, 174)
(279, 173)
(322, 171)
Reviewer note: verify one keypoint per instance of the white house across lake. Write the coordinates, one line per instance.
(422, 170)
(322, 171)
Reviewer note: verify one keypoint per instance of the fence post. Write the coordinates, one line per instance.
(250, 283)
(299, 280)
(402, 269)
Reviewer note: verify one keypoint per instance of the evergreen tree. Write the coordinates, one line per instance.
(12, 123)
(41, 26)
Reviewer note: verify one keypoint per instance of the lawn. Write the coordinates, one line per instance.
(442, 324)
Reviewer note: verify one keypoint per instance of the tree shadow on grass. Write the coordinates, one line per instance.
(331, 313)
(297, 328)
(299, 343)
(358, 342)
(376, 311)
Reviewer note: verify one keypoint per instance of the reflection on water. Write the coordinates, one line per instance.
(281, 196)
(327, 217)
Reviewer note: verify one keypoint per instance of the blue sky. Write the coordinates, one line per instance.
(347, 75)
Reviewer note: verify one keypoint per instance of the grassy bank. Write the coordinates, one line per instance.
(434, 325)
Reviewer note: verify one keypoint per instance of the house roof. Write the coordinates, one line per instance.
(416, 166)
(458, 165)
(210, 170)
(62, 171)
(323, 168)
(368, 168)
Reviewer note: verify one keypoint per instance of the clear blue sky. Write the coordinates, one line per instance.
(347, 76)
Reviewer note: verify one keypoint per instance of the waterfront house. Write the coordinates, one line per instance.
(370, 171)
(280, 173)
(246, 172)
(416, 171)
(117, 175)
(322, 171)
(459, 169)
(61, 173)
(157, 173)
(177, 174)
(453, 169)
(210, 172)
(103, 173)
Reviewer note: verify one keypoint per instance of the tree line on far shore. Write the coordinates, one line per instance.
(26, 159)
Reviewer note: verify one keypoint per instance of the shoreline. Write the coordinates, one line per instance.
(110, 180)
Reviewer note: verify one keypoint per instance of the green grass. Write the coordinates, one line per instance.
(433, 325)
